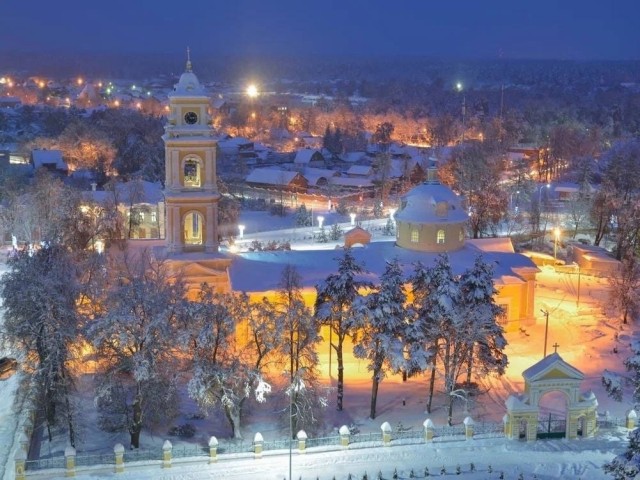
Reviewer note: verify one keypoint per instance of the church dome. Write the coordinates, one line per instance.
(188, 85)
(431, 219)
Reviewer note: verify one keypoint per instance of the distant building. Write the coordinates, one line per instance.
(49, 159)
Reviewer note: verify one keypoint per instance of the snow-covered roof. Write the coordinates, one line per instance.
(548, 363)
(304, 156)
(325, 172)
(260, 271)
(498, 244)
(270, 176)
(141, 192)
(352, 157)
(420, 205)
(43, 158)
(363, 170)
(351, 182)
(188, 85)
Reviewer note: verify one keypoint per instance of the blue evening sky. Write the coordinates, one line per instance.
(564, 29)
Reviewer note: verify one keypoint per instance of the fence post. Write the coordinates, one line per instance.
(386, 433)
(70, 461)
(344, 436)
(24, 441)
(166, 454)
(213, 450)
(506, 426)
(20, 459)
(118, 451)
(428, 430)
(302, 441)
(632, 418)
(468, 428)
(258, 442)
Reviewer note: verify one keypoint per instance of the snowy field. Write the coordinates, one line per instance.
(586, 336)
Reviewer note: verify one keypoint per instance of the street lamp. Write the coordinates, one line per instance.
(252, 91)
(546, 330)
(392, 212)
(575, 264)
(459, 88)
(556, 235)
(548, 185)
(353, 219)
(241, 228)
(320, 220)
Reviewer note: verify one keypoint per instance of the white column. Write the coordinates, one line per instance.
(175, 167)
(178, 241)
(212, 241)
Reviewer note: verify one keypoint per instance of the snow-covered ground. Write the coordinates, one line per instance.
(586, 336)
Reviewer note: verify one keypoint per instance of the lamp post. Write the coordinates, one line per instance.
(546, 330)
(353, 219)
(556, 236)
(548, 185)
(459, 88)
(392, 212)
(241, 228)
(320, 220)
(578, 297)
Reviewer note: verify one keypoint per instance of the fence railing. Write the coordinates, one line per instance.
(401, 435)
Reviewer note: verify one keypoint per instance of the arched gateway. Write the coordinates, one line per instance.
(551, 374)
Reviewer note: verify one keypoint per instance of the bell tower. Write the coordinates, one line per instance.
(191, 194)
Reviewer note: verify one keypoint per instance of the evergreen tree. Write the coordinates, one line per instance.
(380, 325)
(335, 300)
(486, 340)
(335, 233)
(303, 216)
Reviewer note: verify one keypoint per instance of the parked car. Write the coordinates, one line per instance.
(8, 366)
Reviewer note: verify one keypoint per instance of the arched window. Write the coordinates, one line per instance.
(440, 236)
(415, 236)
(193, 227)
(461, 235)
(192, 172)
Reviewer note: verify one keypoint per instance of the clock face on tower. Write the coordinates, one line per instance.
(191, 117)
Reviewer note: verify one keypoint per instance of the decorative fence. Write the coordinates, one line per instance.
(70, 463)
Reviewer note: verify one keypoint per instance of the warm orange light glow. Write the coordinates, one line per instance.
(41, 84)
(80, 81)
(116, 103)
(252, 91)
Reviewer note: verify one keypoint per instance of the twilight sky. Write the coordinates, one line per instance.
(563, 29)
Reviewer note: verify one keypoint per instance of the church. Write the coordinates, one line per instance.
(430, 221)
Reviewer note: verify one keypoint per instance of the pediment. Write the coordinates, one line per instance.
(552, 367)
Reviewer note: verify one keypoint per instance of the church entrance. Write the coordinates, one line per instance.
(552, 417)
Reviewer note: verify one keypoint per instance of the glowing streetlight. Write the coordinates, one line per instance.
(548, 185)
(320, 220)
(80, 81)
(241, 229)
(459, 88)
(252, 91)
(353, 219)
(556, 235)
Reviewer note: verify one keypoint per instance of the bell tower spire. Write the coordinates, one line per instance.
(188, 60)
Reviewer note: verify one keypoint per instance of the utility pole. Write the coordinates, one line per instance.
(546, 330)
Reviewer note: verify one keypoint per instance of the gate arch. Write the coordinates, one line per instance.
(551, 374)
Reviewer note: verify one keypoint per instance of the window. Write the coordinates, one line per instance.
(193, 229)
(141, 214)
(440, 236)
(415, 236)
(503, 318)
(154, 217)
(461, 235)
(191, 173)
